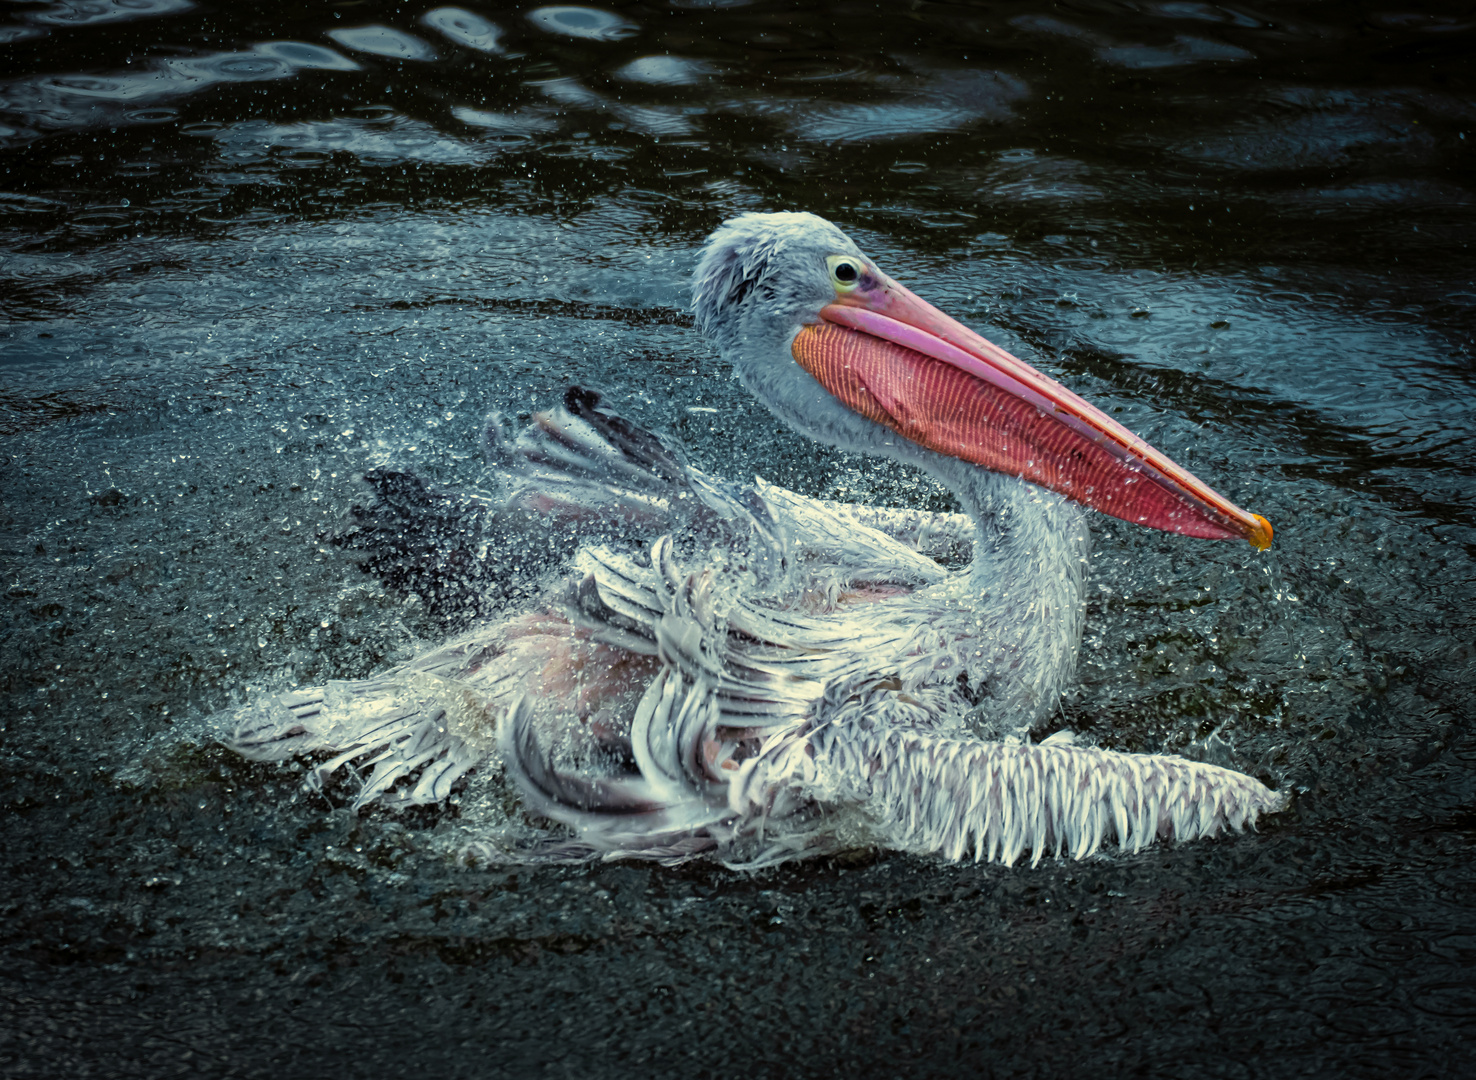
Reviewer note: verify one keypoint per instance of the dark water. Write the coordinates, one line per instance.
(251, 250)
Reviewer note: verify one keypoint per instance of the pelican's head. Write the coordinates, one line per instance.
(848, 356)
(763, 274)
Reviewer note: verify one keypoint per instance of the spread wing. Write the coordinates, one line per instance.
(742, 615)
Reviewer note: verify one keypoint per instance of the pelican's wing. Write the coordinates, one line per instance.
(581, 474)
(915, 542)
(767, 665)
(406, 736)
(961, 797)
(584, 463)
(719, 736)
(585, 460)
(631, 815)
(381, 731)
(575, 475)
(585, 456)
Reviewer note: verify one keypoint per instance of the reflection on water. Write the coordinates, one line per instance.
(251, 252)
(1183, 50)
(379, 139)
(583, 22)
(75, 13)
(464, 28)
(49, 102)
(383, 41)
(665, 70)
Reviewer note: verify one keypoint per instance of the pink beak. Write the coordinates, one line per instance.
(897, 360)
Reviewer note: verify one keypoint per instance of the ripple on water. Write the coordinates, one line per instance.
(465, 28)
(523, 124)
(1356, 1022)
(583, 22)
(95, 12)
(301, 54)
(1184, 50)
(157, 298)
(1313, 129)
(376, 140)
(658, 121)
(10, 34)
(1460, 946)
(1456, 1000)
(935, 103)
(110, 87)
(1206, 13)
(383, 41)
(151, 115)
(1023, 177)
(78, 100)
(14, 202)
(571, 92)
(268, 60)
(98, 222)
(665, 71)
(947, 219)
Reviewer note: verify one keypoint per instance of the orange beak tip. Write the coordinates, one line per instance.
(1260, 536)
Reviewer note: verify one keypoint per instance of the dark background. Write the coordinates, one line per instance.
(252, 250)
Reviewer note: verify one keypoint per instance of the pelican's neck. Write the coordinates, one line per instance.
(1017, 619)
(1019, 526)
(1025, 590)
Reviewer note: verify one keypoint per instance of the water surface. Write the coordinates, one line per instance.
(251, 251)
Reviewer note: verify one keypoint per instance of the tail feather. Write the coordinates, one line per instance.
(412, 748)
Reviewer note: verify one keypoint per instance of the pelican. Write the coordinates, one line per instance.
(741, 671)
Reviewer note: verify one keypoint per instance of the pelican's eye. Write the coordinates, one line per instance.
(845, 272)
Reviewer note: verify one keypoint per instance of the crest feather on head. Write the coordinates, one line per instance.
(741, 259)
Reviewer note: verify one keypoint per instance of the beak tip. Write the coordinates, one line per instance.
(1260, 535)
